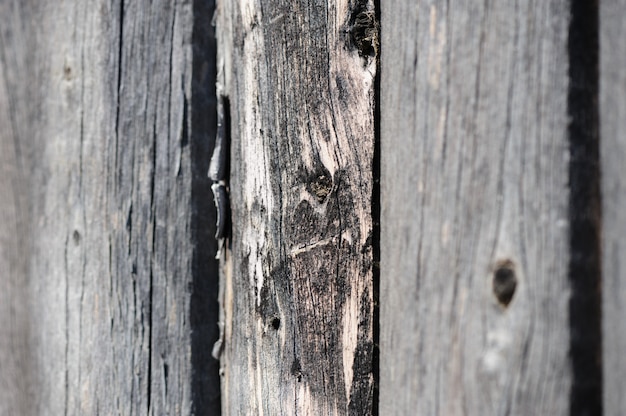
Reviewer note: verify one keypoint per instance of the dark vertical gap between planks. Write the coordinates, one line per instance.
(376, 204)
(202, 116)
(584, 210)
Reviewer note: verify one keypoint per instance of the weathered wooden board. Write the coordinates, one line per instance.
(17, 367)
(106, 254)
(613, 150)
(298, 299)
(475, 290)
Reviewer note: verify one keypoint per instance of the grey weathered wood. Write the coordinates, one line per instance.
(17, 365)
(298, 298)
(474, 147)
(101, 259)
(613, 150)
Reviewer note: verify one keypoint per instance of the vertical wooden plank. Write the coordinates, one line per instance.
(17, 367)
(112, 238)
(111, 186)
(474, 223)
(298, 284)
(613, 154)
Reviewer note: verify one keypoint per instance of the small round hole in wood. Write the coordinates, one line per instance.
(276, 323)
(504, 282)
(67, 72)
(76, 237)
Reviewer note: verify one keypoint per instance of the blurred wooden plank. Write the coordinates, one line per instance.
(17, 365)
(613, 150)
(474, 191)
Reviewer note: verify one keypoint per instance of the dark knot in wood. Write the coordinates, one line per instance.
(504, 281)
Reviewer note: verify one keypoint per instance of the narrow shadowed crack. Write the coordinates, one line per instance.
(584, 211)
(376, 222)
(119, 78)
(201, 116)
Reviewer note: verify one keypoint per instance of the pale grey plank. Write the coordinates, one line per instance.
(474, 175)
(613, 156)
(17, 366)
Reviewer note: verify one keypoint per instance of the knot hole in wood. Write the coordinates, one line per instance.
(363, 28)
(67, 72)
(504, 281)
(275, 323)
(321, 187)
(296, 370)
(76, 237)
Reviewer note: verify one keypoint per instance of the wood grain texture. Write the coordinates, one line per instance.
(99, 151)
(474, 194)
(298, 284)
(17, 366)
(613, 151)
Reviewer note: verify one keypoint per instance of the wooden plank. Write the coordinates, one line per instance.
(474, 224)
(613, 151)
(109, 172)
(298, 299)
(17, 367)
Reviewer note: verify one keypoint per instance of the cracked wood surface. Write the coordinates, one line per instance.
(106, 296)
(298, 301)
(474, 176)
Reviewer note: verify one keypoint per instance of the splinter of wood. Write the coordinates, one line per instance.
(219, 165)
(220, 196)
(219, 169)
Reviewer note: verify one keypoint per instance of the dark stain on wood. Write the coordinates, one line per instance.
(504, 282)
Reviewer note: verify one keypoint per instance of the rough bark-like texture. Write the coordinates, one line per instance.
(613, 133)
(100, 255)
(298, 299)
(475, 288)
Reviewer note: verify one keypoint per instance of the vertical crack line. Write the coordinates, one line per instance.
(67, 328)
(584, 211)
(150, 323)
(152, 259)
(376, 221)
(82, 113)
(201, 124)
(119, 79)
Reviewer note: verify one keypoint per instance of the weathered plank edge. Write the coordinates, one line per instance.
(613, 157)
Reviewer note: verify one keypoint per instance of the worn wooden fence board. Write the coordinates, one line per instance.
(613, 142)
(17, 368)
(101, 253)
(298, 299)
(475, 293)
(489, 195)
